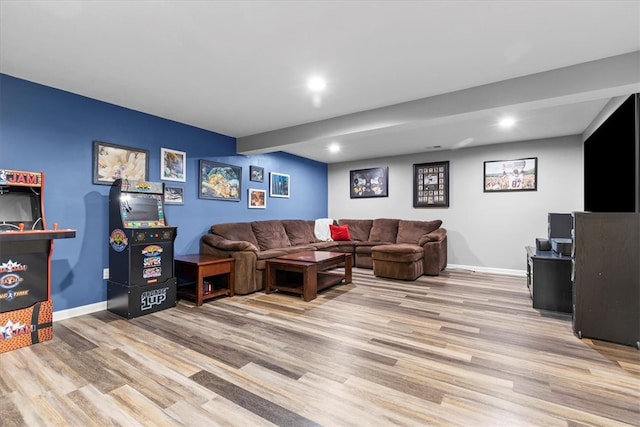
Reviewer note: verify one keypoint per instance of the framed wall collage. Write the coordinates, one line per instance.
(431, 185)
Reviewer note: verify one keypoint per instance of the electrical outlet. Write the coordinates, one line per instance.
(105, 273)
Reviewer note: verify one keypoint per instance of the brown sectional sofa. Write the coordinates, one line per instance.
(252, 243)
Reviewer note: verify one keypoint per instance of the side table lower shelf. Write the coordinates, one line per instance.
(204, 277)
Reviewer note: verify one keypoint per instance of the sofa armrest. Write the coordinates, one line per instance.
(222, 244)
(435, 236)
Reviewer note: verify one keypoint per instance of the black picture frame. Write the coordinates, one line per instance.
(219, 181)
(372, 182)
(431, 185)
(511, 175)
(113, 161)
(256, 174)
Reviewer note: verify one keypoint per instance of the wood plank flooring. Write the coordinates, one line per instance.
(461, 349)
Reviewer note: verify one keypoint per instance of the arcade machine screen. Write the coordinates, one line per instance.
(141, 210)
(18, 206)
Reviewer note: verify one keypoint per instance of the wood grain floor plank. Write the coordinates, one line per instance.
(461, 349)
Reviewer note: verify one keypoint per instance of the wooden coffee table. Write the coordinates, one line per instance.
(306, 273)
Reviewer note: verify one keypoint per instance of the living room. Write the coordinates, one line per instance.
(487, 231)
(462, 348)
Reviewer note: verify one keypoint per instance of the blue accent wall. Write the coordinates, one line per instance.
(52, 131)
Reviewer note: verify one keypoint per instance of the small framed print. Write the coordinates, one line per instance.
(511, 175)
(173, 195)
(173, 165)
(431, 185)
(280, 185)
(257, 199)
(256, 173)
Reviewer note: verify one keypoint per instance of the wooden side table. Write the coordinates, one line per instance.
(203, 277)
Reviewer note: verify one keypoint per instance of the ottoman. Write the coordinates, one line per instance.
(400, 261)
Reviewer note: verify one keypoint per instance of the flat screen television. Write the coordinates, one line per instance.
(19, 205)
(612, 162)
(139, 209)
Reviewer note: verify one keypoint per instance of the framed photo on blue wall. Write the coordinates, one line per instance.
(219, 181)
(279, 184)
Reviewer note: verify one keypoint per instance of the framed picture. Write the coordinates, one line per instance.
(511, 175)
(111, 161)
(431, 185)
(256, 173)
(257, 199)
(220, 181)
(173, 165)
(280, 185)
(173, 195)
(372, 182)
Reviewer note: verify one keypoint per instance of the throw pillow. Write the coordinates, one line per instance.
(339, 232)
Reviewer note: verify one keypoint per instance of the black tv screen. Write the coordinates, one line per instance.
(612, 161)
(17, 206)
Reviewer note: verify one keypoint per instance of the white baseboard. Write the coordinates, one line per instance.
(505, 271)
(99, 306)
(79, 311)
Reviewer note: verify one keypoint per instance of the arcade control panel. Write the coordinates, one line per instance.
(153, 235)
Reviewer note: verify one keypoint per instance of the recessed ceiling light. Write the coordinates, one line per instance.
(507, 122)
(334, 148)
(316, 84)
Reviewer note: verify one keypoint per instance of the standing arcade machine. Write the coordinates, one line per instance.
(26, 247)
(141, 273)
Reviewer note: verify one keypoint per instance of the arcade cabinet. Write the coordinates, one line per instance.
(26, 247)
(141, 270)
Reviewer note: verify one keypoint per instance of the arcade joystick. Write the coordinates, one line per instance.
(55, 225)
(21, 226)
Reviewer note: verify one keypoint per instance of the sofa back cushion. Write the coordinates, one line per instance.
(411, 231)
(384, 230)
(270, 234)
(237, 231)
(299, 231)
(359, 229)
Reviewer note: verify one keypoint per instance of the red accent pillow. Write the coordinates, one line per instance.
(339, 232)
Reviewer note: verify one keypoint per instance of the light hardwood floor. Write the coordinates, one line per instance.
(462, 349)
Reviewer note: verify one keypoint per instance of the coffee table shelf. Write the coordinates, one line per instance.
(306, 273)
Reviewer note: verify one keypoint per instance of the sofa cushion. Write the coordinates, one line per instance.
(384, 230)
(359, 229)
(236, 231)
(270, 234)
(411, 231)
(340, 232)
(300, 232)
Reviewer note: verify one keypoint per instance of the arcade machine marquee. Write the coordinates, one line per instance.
(141, 270)
(26, 247)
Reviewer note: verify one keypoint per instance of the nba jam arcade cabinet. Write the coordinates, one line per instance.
(26, 246)
(141, 270)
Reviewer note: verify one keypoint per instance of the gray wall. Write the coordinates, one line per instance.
(486, 231)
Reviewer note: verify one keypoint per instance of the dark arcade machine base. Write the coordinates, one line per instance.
(141, 266)
(26, 248)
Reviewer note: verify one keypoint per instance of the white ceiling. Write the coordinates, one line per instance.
(239, 67)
